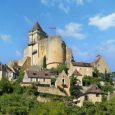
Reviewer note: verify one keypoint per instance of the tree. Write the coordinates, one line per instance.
(62, 67)
(74, 89)
(20, 77)
(95, 72)
(44, 62)
(5, 86)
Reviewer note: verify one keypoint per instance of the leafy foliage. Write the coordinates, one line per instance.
(62, 67)
(44, 62)
(17, 100)
(74, 89)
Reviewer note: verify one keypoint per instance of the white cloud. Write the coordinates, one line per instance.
(63, 5)
(65, 8)
(45, 2)
(18, 53)
(77, 52)
(27, 20)
(72, 30)
(103, 22)
(107, 48)
(80, 2)
(6, 38)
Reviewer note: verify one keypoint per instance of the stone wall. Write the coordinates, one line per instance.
(55, 52)
(50, 90)
(102, 66)
(94, 98)
(43, 99)
(0, 75)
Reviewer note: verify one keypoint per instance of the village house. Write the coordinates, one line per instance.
(39, 77)
(79, 70)
(7, 72)
(92, 94)
(63, 82)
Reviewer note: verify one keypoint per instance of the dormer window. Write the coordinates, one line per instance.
(34, 73)
(46, 74)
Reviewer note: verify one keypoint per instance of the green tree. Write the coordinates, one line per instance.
(74, 89)
(44, 62)
(20, 77)
(62, 67)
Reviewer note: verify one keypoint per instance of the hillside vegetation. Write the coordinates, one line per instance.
(17, 100)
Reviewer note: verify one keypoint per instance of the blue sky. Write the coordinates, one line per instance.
(87, 26)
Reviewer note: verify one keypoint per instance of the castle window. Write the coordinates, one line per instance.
(63, 81)
(34, 73)
(97, 95)
(86, 97)
(46, 74)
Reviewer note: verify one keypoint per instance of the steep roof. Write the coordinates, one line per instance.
(76, 73)
(94, 89)
(40, 74)
(37, 27)
(95, 62)
(81, 64)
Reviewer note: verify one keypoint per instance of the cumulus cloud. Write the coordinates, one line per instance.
(6, 38)
(72, 30)
(103, 22)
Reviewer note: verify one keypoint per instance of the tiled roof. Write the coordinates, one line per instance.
(37, 27)
(93, 89)
(76, 73)
(40, 74)
(81, 64)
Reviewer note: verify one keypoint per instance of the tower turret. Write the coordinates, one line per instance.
(36, 34)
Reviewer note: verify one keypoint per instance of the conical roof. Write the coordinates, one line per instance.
(37, 27)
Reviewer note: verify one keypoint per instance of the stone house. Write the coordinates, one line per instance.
(79, 70)
(63, 83)
(92, 94)
(101, 65)
(7, 72)
(42, 78)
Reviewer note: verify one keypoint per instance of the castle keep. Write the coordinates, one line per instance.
(44, 50)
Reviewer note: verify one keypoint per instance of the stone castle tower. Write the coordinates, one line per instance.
(41, 46)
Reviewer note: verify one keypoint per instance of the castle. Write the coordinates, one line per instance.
(44, 50)
(44, 53)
